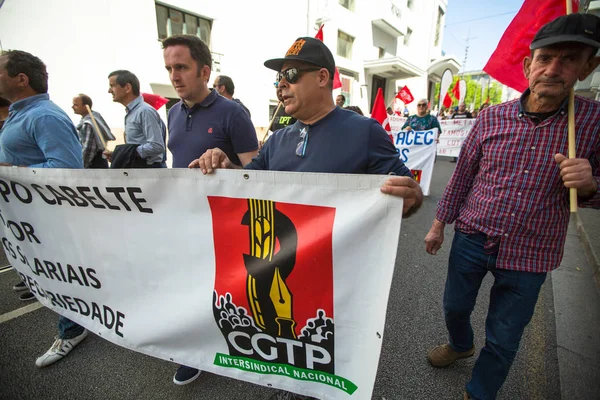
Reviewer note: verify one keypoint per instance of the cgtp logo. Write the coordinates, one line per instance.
(273, 296)
(417, 174)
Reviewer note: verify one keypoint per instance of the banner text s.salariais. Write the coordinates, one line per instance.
(111, 198)
(54, 270)
(102, 313)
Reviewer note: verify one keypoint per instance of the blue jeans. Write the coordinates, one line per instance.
(512, 302)
(68, 329)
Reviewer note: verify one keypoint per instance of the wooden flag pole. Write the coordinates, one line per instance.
(98, 133)
(572, 143)
(272, 121)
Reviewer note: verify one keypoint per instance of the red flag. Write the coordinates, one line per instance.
(154, 100)
(506, 63)
(380, 114)
(319, 34)
(456, 91)
(405, 95)
(337, 82)
(447, 101)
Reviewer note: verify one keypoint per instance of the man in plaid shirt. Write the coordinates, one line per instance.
(509, 200)
(90, 141)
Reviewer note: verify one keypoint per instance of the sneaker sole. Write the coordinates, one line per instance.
(28, 299)
(192, 379)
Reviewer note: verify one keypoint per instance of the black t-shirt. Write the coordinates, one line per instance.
(282, 120)
(459, 115)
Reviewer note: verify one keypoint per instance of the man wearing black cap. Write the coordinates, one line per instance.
(508, 198)
(325, 138)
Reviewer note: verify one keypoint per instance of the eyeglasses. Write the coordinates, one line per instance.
(293, 74)
(422, 105)
(301, 146)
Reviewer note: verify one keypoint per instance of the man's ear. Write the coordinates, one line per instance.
(527, 66)
(323, 77)
(590, 66)
(205, 74)
(128, 88)
(23, 80)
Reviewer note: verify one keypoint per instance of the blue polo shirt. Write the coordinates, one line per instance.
(215, 122)
(341, 142)
(39, 134)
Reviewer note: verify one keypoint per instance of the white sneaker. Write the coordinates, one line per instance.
(60, 348)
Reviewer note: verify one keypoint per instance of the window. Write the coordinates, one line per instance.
(170, 21)
(344, 45)
(438, 27)
(162, 16)
(175, 22)
(272, 109)
(205, 29)
(349, 4)
(407, 36)
(191, 25)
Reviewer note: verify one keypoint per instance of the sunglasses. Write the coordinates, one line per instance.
(293, 74)
(422, 105)
(301, 146)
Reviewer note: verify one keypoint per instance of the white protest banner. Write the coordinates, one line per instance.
(396, 122)
(280, 279)
(454, 132)
(417, 150)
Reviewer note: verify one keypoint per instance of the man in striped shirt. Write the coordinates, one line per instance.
(90, 141)
(508, 199)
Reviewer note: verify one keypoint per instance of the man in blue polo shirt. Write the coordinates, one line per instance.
(325, 138)
(38, 134)
(202, 120)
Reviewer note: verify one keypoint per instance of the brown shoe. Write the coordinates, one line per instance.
(443, 355)
(466, 396)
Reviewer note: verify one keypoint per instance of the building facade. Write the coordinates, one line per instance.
(376, 43)
(591, 86)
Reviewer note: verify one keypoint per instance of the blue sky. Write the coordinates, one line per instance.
(482, 21)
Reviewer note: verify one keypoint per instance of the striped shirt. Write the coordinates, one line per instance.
(508, 186)
(89, 140)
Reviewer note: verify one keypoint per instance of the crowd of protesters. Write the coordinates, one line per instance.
(510, 218)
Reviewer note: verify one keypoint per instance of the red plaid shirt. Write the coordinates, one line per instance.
(508, 186)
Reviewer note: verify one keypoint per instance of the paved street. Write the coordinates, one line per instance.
(97, 369)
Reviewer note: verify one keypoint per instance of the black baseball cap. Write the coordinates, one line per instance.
(309, 50)
(579, 28)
